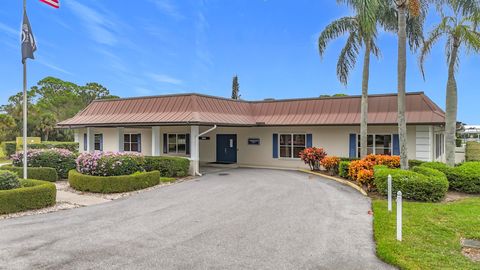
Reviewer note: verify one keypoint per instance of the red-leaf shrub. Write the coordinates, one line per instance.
(361, 171)
(312, 156)
(330, 164)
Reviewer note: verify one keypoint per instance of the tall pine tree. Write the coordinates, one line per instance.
(235, 88)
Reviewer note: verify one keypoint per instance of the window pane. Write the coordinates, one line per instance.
(285, 139)
(181, 148)
(285, 151)
(172, 138)
(134, 147)
(382, 151)
(134, 138)
(383, 141)
(369, 140)
(172, 148)
(181, 139)
(369, 150)
(126, 138)
(126, 147)
(299, 140)
(296, 151)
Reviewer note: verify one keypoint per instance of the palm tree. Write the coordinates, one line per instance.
(409, 21)
(460, 30)
(361, 30)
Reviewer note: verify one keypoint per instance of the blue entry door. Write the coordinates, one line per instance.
(227, 148)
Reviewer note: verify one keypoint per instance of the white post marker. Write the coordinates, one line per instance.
(389, 181)
(399, 216)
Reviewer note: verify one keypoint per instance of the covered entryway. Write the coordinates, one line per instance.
(226, 148)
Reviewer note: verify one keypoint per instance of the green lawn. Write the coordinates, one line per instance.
(167, 179)
(431, 234)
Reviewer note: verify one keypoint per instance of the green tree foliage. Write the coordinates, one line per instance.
(235, 88)
(50, 101)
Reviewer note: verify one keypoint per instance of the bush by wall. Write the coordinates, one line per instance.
(437, 166)
(413, 163)
(33, 194)
(343, 168)
(361, 171)
(37, 173)
(330, 163)
(465, 178)
(472, 151)
(109, 163)
(71, 146)
(414, 186)
(113, 184)
(8, 180)
(9, 148)
(168, 166)
(61, 160)
(312, 156)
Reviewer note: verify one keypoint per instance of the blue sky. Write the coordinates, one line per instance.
(153, 47)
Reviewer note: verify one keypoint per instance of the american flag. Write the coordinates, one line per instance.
(53, 3)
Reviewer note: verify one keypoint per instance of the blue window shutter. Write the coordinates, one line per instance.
(353, 146)
(309, 140)
(101, 142)
(275, 145)
(165, 143)
(84, 141)
(396, 145)
(187, 144)
(139, 142)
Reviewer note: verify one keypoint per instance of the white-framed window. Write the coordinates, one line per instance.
(439, 145)
(98, 144)
(378, 144)
(290, 145)
(177, 143)
(131, 142)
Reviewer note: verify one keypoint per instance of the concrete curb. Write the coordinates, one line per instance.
(345, 182)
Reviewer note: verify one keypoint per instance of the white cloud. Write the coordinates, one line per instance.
(168, 8)
(102, 29)
(54, 67)
(163, 78)
(10, 30)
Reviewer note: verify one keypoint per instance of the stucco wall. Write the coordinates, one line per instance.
(334, 139)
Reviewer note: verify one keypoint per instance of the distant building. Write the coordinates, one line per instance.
(471, 133)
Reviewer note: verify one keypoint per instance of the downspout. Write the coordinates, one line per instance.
(198, 140)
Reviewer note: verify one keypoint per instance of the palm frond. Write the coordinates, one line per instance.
(334, 30)
(348, 57)
(374, 49)
(432, 38)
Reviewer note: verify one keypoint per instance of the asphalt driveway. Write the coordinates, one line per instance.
(248, 219)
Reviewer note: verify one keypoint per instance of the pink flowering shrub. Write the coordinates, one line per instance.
(62, 160)
(110, 163)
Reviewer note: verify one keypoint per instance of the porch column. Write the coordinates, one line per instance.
(119, 134)
(155, 141)
(194, 149)
(90, 140)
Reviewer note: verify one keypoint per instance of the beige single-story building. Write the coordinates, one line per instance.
(270, 133)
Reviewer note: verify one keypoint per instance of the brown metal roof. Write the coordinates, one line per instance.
(203, 109)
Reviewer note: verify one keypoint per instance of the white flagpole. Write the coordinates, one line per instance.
(25, 176)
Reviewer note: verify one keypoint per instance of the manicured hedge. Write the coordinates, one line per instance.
(72, 146)
(414, 186)
(113, 184)
(9, 148)
(168, 166)
(413, 163)
(33, 194)
(437, 166)
(465, 178)
(472, 151)
(343, 167)
(37, 173)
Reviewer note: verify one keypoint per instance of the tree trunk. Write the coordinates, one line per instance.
(364, 106)
(401, 72)
(451, 109)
